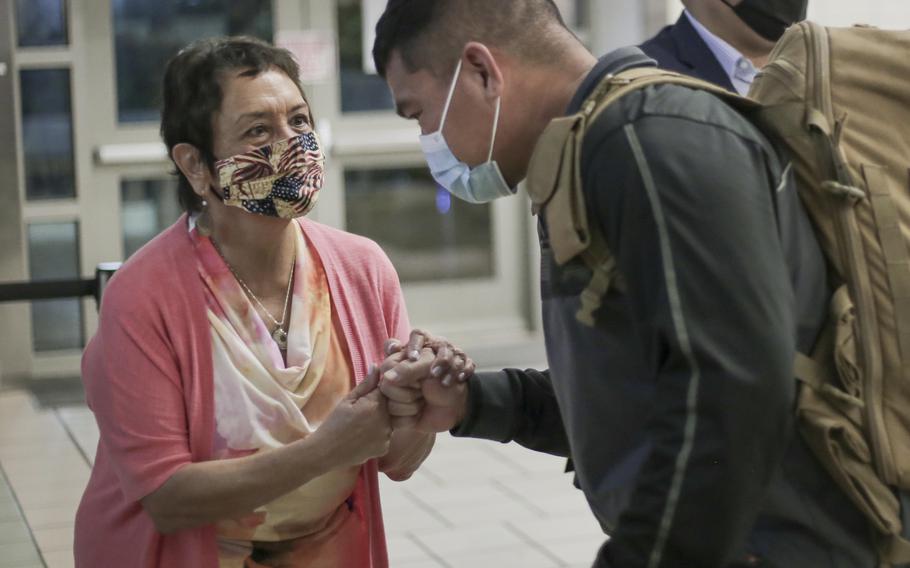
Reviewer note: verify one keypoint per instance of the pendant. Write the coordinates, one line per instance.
(281, 338)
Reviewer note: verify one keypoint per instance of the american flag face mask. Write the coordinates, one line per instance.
(279, 180)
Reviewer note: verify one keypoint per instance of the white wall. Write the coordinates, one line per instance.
(891, 14)
(616, 23)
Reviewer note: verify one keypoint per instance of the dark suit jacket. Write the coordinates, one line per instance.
(680, 48)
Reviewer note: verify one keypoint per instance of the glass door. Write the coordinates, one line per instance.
(42, 188)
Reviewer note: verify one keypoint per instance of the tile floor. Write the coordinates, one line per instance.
(474, 503)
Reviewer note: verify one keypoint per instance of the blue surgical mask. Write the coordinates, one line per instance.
(474, 185)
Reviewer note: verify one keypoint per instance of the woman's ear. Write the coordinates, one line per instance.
(479, 60)
(191, 164)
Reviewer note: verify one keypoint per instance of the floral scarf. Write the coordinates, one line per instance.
(263, 404)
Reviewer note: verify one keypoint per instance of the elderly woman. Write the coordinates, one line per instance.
(223, 372)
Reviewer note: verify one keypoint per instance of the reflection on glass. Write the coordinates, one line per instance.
(427, 234)
(359, 91)
(53, 254)
(41, 23)
(149, 32)
(47, 133)
(148, 206)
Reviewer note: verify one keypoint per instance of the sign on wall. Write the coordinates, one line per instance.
(314, 51)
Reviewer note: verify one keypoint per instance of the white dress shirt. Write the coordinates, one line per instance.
(740, 70)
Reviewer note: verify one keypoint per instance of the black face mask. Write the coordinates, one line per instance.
(770, 18)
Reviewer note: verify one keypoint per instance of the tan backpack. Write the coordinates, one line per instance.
(839, 101)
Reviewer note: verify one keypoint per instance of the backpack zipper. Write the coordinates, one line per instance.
(852, 247)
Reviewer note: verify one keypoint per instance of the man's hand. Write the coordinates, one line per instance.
(450, 364)
(426, 392)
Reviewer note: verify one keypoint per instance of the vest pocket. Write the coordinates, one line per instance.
(830, 420)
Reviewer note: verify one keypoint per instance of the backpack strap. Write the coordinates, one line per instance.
(617, 86)
(597, 255)
(816, 376)
(554, 178)
(600, 261)
(815, 371)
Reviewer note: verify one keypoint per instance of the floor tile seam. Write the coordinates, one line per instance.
(72, 438)
(409, 538)
(429, 551)
(429, 509)
(502, 459)
(51, 526)
(567, 541)
(519, 496)
(22, 518)
(487, 548)
(49, 506)
(435, 478)
(534, 544)
(56, 548)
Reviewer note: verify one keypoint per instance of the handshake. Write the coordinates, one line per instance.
(420, 386)
(424, 383)
(418, 390)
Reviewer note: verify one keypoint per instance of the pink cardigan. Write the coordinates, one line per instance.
(148, 380)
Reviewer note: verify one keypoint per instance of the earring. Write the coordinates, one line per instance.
(204, 220)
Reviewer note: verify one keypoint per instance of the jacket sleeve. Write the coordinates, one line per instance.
(688, 211)
(133, 387)
(512, 405)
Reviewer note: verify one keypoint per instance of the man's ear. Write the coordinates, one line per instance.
(191, 164)
(479, 59)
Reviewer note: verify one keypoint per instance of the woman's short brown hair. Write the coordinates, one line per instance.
(192, 93)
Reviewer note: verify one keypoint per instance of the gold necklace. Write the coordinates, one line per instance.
(280, 336)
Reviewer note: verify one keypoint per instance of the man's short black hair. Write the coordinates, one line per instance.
(192, 93)
(430, 34)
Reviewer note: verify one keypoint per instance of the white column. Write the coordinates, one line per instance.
(617, 23)
(15, 323)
